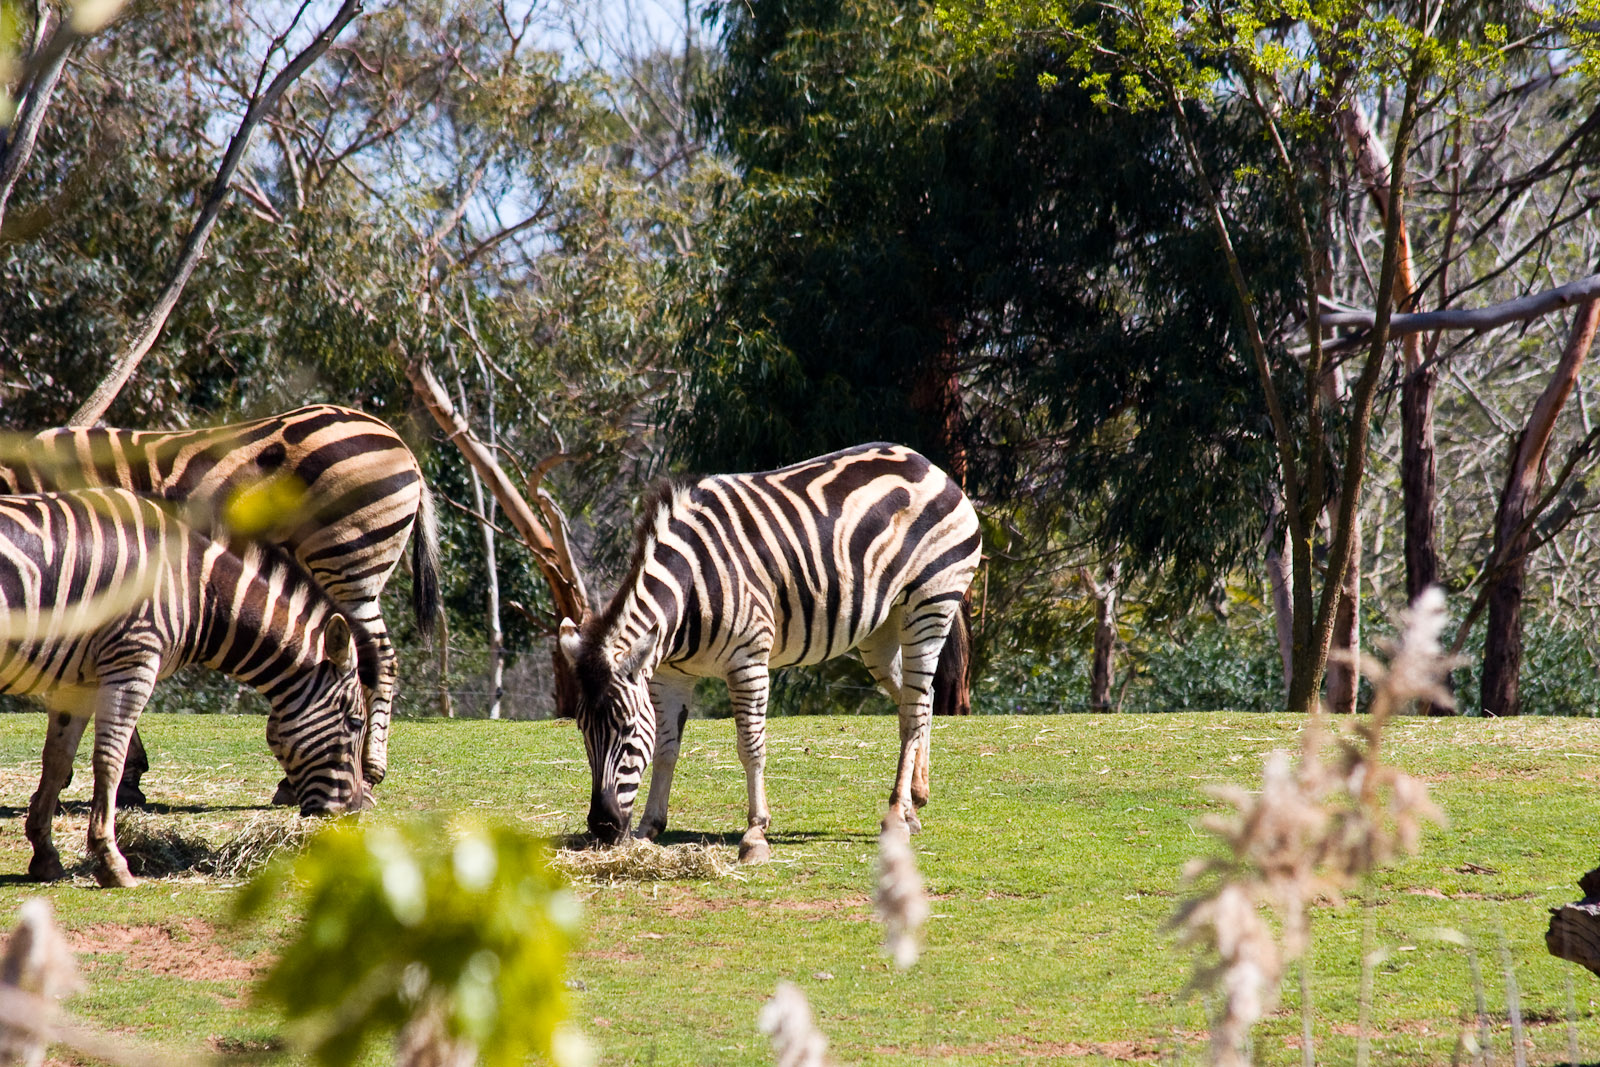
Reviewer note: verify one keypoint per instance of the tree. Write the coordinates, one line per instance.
(946, 253)
(1295, 72)
(446, 177)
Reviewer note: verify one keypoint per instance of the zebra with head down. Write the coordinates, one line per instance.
(103, 593)
(870, 548)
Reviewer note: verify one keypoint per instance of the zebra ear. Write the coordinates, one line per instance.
(569, 642)
(630, 662)
(338, 643)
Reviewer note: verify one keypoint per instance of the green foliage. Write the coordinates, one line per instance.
(400, 916)
(915, 231)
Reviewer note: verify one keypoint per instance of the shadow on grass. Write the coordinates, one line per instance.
(775, 838)
(81, 807)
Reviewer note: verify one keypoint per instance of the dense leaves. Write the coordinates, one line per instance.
(401, 916)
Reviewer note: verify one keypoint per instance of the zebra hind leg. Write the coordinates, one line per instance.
(60, 745)
(380, 698)
(922, 637)
(881, 652)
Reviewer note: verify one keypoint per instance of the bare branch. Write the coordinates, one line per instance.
(144, 337)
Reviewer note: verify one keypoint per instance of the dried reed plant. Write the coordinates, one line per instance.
(635, 860)
(899, 899)
(1313, 830)
(786, 1019)
(37, 967)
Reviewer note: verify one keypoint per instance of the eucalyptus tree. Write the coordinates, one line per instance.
(1301, 71)
(941, 250)
(452, 180)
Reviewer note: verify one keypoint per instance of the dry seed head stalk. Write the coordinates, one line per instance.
(36, 967)
(786, 1019)
(1311, 831)
(899, 898)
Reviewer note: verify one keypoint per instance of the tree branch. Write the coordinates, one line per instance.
(144, 336)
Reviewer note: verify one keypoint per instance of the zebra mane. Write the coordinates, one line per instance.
(273, 558)
(658, 500)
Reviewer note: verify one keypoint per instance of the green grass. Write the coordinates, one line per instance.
(1052, 848)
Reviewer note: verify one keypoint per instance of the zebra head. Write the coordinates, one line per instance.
(616, 719)
(321, 724)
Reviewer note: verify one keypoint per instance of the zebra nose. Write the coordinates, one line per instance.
(605, 818)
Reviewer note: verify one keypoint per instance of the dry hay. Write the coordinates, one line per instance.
(262, 838)
(644, 861)
(155, 848)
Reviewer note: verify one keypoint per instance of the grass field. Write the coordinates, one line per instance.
(1052, 850)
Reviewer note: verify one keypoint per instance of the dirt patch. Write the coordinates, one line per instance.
(848, 902)
(184, 950)
(1437, 894)
(1024, 1047)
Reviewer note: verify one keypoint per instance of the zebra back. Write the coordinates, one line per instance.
(808, 559)
(352, 490)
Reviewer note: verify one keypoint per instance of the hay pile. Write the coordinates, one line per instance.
(156, 848)
(643, 861)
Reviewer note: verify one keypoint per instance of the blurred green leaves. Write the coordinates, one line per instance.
(461, 918)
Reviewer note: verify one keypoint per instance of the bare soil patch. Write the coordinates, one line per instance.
(187, 949)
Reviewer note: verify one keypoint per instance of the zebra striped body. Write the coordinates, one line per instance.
(359, 493)
(103, 593)
(871, 548)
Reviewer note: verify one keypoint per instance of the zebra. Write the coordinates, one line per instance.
(360, 493)
(870, 548)
(103, 593)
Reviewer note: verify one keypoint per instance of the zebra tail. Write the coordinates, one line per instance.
(952, 694)
(425, 565)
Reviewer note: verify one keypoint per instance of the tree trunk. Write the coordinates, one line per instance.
(484, 510)
(442, 685)
(1280, 579)
(1344, 676)
(543, 536)
(1103, 670)
(16, 143)
(1502, 650)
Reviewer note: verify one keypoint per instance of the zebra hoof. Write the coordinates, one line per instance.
(46, 868)
(284, 797)
(114, 875)
(649, 831)
(754, 850)
(130, 796)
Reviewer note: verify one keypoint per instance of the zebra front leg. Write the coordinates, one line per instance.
(747, 688)
(380, 698)
(61, 739)
(123, 694)
(672, 696)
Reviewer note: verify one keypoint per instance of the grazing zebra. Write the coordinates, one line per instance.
(363, 492)
(103, 593)
(871, 548)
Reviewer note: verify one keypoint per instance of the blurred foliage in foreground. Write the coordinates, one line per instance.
(458, 926)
